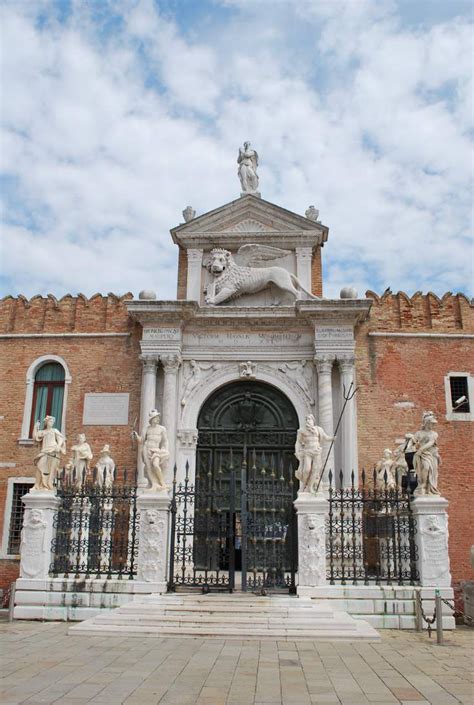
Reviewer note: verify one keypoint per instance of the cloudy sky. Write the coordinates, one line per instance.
(116, 114)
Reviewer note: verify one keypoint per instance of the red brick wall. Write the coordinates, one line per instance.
(412, 369)
(182, 273)
(317, 273)
(96, 364)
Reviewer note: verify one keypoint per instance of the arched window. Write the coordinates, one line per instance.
(47, 383)
(48, 393)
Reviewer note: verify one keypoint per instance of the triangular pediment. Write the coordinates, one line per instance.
(245, 217)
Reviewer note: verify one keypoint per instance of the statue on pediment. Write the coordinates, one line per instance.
(235, 277)
(247, 171)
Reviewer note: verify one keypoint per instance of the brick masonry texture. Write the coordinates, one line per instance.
(389, 370)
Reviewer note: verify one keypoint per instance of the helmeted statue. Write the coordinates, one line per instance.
(53, 445)
(427, 459)
(155, 451)
(247, 171)
(308, 450)
(385, 477)
(105, 468)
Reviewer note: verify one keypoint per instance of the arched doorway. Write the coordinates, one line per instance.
(244, 527)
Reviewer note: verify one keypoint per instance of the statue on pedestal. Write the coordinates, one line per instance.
(105, 468)
(79, 466)
(385, 477)
(155, 451)
(247, 171)
(53, 445)
(308, 451)
(427, 459)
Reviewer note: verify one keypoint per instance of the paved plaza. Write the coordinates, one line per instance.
(42, 664)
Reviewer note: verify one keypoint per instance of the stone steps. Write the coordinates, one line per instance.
(228, 617)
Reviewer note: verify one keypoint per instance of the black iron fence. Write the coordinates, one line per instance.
(96, 526)
(370, 532)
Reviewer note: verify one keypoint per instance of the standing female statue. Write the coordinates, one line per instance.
(248, 162)
(53, 445)
(427, 459)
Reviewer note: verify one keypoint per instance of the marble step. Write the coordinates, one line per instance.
(226, 618)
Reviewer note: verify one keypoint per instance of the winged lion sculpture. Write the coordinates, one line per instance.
(235, 277)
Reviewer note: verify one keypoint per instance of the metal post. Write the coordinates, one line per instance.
(418, 613)
(439, 617)
(243, 519)
(11, 602)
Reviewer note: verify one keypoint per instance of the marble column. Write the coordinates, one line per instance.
(304, 257)
(152, 561)
(171, 364)
(37, 533)
(147, 403)
(325, 417)
(349, 461)
(311, 511)
(431, 537)
(193, 287)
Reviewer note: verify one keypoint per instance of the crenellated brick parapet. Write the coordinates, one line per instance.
(421, 312)
(78, 314)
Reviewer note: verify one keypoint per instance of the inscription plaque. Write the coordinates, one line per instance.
(161, 334)
(244, 340)
(106, 409)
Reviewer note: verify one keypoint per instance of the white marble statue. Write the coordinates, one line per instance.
(427, 459)
(105, 468)
(189, 214)
(235, 277)
(155, 451)
(312, 213)
(308, 450)
(53, 445)
(247, 171)
(385, 465)
(79, 467)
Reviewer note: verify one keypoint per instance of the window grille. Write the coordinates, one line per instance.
(459, 388)
(16, 516)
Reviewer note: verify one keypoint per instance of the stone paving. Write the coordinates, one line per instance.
(42, 664)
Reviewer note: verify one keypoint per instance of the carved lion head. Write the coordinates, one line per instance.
(218, 261)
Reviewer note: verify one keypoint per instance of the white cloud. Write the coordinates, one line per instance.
(108, 135)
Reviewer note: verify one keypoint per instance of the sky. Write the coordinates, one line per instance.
(117, 114)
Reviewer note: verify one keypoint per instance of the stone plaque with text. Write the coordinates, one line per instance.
(105, 409)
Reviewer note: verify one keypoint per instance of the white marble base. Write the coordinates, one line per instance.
(430, 512)
(311, 510)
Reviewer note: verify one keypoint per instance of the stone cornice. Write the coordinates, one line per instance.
(348, 311)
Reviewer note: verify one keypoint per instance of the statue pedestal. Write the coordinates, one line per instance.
(431, 518)
(153, 538)
(312, 510)
(37, 533)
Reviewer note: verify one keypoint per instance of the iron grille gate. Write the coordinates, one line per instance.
(234, 527)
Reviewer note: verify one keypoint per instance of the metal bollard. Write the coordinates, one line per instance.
(439, 617)
(418, 612)
(11, 602)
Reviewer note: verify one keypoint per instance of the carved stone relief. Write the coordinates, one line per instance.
(312, 548)
(297, 372)
(248, 370)
(435, 560)
(152, 557)
(33, 544)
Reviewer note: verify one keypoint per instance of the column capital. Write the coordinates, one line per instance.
(324, 363)
(195, 255)
(171, 362)
(346, 362)
(304, 252)
(149, 361)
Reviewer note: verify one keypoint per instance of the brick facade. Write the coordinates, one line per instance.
(398, 378)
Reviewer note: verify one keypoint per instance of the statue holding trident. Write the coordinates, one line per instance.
(308, 450)
(247, 171)
(155, 451)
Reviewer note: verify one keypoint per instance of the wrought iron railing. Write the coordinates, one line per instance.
(370, 532)
(96, 527)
